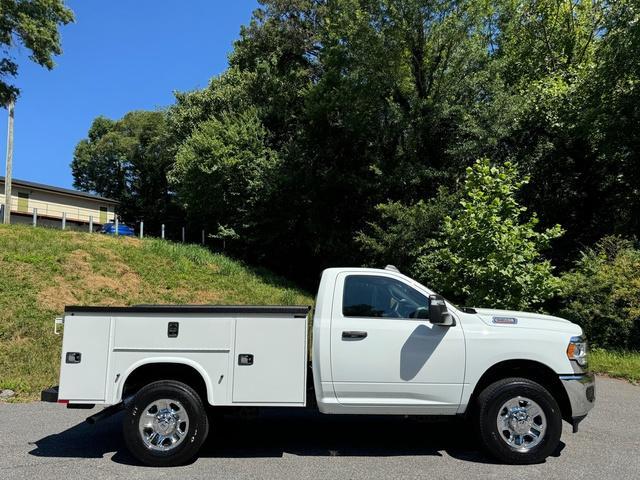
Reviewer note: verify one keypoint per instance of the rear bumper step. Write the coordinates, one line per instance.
(50, 395)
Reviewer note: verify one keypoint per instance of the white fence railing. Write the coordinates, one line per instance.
(42, 214)
(53, 211)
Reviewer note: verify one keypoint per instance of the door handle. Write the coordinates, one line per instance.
(354, 335)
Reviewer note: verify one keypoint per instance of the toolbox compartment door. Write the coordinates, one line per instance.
(85, 352)
(270, 360)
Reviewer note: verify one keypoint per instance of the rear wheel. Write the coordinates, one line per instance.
(166, 424)
(519, 421)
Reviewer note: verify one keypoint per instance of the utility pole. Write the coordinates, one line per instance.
(7, 177)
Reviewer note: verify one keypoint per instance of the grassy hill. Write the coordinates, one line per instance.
(42, 270)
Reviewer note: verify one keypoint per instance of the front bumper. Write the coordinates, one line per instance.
(581, 390)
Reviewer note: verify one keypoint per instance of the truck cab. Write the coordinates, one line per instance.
(375, 349)
(382, 344)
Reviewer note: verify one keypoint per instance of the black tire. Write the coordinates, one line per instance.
(195, 432)
(490, 402)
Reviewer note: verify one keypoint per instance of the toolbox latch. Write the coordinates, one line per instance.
(73, 357)
(172, 329)
(245, 359)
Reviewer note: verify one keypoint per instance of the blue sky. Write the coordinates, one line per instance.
(118, 56)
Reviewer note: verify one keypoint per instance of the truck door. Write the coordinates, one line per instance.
(383, 356)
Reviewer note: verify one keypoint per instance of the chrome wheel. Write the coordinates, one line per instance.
(163, 425)
(521, 423)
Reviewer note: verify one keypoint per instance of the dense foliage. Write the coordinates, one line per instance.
(34, 24)
(487, 253)
(223, 173)
(399, 235)
(341, 131)
(128, 160)
(602, 294)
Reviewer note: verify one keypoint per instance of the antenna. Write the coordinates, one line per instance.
(392, 268)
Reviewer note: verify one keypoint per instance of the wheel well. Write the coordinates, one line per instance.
(532, 370)
(153, 372)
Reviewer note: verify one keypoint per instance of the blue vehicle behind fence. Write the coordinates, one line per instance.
(124, 230)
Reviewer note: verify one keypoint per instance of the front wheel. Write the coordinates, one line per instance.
(519, 421)
(166, 424)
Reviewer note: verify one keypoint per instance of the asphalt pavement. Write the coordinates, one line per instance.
(48, 441)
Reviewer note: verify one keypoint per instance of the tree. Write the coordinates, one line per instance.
(224, 175)
(610, 125)
(398, 234)
(128, 160)
(34, 24)
(546, 51)
(536, 39)
(227, 93)
(487, 254)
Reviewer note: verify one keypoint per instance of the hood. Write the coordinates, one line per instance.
(538, 321)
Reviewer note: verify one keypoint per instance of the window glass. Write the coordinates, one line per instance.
(376, 296)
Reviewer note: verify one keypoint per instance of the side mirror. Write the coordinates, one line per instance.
(438, 314)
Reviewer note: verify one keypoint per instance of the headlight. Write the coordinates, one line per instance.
(577, 350)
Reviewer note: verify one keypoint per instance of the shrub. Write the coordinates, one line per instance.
(488, 253)
(602, 294)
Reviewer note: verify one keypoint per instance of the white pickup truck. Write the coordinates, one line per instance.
(382, 344)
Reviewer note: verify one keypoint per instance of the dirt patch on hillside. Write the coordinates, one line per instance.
(79, 282)
(121, 277)
(57, 297)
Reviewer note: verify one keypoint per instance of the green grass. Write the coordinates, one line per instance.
(616, 364)
(42, 270)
